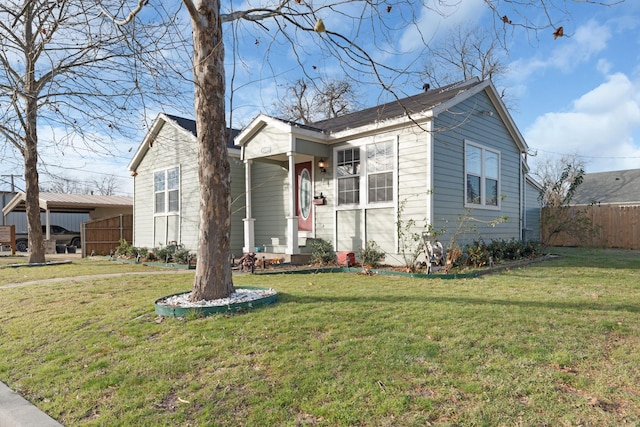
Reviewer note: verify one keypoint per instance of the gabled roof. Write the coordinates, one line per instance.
(69, 202)
(417, 108)
(410, 106)
(616, 187)
(186, 125)
(190, 125)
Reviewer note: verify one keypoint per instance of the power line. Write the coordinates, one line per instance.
(587, 157)
(13, 183)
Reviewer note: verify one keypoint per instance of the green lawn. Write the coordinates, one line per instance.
(78, 267)
(556, 343)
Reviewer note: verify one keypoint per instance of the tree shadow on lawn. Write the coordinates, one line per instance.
(599, 258)
(284, 298)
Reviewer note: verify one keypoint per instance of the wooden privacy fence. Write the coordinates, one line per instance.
(615, 227)
(103, 235)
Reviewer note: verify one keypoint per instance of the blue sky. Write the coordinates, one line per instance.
(578, 94)
(581, 94)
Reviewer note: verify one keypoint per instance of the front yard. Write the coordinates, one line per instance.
(555, 343)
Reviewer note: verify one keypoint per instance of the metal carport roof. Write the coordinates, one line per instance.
(68, 203)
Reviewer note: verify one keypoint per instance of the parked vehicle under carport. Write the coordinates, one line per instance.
(61, 235)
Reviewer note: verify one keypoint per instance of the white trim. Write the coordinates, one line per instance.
(363, 227)
(248, 221)
(363, 196)
(396, 195)
(167, 212)
(299, 194)
(483, 177)
(430, 172)
(292, 219)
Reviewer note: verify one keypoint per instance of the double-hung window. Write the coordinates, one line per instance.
(348, 174)
(380, 172)
(369, 167)
(166, 185)
(482, 176)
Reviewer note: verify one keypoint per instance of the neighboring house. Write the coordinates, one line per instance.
(611, 202)
(166, 187)
(62, 211)
(434, 157)
(533, 209)
(609, 188)
(54, 205)
(69, 221)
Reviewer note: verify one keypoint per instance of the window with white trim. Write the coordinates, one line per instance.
(166, 186)
(380, 172)
(371, 167)
(482, 176)
(348, 174)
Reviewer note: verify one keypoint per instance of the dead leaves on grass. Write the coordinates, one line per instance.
(170, 402)
(592, 401)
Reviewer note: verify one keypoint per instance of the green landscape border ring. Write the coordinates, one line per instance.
(203, 311)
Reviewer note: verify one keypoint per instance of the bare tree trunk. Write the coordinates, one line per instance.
(32, 201)
(213, 272)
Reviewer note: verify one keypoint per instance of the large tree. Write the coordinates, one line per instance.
(464, 52)
(106, 186)
(560, 179)
(66, 67)
(306, 102)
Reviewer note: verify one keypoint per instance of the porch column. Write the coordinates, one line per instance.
(47, 233)
(292, 219)
(249, 236)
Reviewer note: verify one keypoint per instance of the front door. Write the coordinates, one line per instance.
(304, 196)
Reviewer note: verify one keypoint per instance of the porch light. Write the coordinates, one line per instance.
(322, 164)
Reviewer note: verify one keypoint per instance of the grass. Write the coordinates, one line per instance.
(78, 267)
(556, 343)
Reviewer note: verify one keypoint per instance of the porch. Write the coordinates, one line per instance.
(266, 259)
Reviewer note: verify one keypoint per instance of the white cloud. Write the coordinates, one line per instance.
(566, 53)
(602, 126)
(604, 66)
(437, 18)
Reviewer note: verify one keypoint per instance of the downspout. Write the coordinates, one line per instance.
(248, 220)
(429, 180)
(522, 198)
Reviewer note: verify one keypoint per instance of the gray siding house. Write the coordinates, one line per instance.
(166, 197)
(431, 158)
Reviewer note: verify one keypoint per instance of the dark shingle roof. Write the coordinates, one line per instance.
(609, 187)
(412, 105)
(190, 125)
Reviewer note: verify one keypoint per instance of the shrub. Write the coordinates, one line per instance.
(411, 234)
(143, 252)
(372, 254)
(531, 248)
(124, 248)
(478, 254)
(322, 252)
(181, 256)
(162, 252)
(496, 248)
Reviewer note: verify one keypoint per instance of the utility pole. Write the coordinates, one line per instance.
(13, 186)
